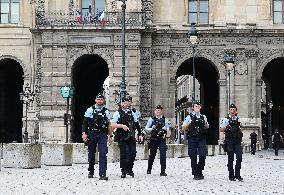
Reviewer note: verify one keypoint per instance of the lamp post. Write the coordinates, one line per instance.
(66, 92)
(229, 62)
(123, 85)
(27, 96)
(193, 38)
(270, 106)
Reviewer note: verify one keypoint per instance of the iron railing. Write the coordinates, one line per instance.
(112, 19)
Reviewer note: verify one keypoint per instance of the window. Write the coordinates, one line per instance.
(198, 11)
(277, 11)
(96, 6)
(9, 11)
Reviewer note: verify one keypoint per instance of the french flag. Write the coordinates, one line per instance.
(102, 17)
(90, 11)
(78, 17)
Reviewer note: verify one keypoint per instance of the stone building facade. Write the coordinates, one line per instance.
(54, 49)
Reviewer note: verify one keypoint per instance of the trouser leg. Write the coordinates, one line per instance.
(202, 151)
(192, 151)
(163, 153)
(238, 151)
(102, 145)
(153, 151)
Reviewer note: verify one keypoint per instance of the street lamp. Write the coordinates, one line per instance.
(229, 62)
(123, 85)
(270, 106)
(193, 38)
(27, 96)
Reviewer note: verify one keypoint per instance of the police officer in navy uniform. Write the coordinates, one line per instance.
(276, 140)
(196, 124)
(253, 140)
(126, 122)
(158, 127)
(96, 131)
(231, 126)
(130, 102)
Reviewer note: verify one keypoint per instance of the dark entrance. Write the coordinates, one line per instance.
(272, 76)
(88, 75)
(207, 76)
(11, 108)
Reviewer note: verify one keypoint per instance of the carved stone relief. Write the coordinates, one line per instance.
(145, 83)
(147, 7)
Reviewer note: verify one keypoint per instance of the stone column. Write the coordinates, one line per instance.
(223, 111)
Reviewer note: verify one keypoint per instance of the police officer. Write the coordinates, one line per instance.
(158, 127)
(96, 131)
(130, 102)
(196, 124)
(126, 123)
(253, 140)
(231, 125)
(276, 140)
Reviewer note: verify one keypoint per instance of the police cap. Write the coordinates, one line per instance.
(100, 96)
(232, 106)
(124, 99)
(197, 102)
(129, 98)
(159, 107)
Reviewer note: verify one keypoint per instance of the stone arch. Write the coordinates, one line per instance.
(11, 112)
(216, 63)
(265, 62)
(89, 71)
(105, 53)
(24, 67)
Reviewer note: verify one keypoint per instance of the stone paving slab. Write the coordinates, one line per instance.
(263, 174)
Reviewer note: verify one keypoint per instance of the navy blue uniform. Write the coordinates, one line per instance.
(126, 139)
(276, 140)
(197, 141)
(253, 140)
(95, 125)
(157, 140)
(233, 139)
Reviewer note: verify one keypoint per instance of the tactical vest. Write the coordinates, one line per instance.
(99, 121)
(158, 132)
(233, 131)
(197, 125)
(253, 137)
(128, 120)
(276, 138)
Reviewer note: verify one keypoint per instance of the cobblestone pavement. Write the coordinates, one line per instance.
(263, 174)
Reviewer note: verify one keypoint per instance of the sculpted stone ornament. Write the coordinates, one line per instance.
(145, 82)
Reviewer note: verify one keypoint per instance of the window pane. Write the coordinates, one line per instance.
(85, 3)
(4, 18)
(85, 12)
(277, 17)
(100, 5)
(192, 5)
(204, 6)
(4, 7)
(203, 18)
(14, 18)
(15, 8)
(278, 5)
(192, 18)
